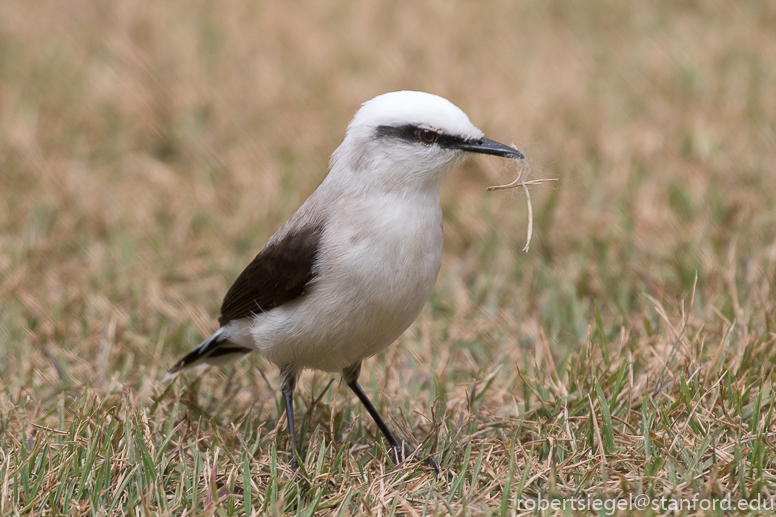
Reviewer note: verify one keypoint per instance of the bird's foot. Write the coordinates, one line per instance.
(431, 462)
(400, 453)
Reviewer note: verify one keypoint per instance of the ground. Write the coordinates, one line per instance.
(148, 150)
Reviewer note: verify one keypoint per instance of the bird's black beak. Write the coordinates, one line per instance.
(487, 146)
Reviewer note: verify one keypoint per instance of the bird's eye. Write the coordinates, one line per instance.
(428, 136)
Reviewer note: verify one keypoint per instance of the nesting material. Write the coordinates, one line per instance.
(522, 171)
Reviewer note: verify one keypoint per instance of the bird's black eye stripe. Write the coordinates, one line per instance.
(451, 141)
(412, 133)
(408, 132)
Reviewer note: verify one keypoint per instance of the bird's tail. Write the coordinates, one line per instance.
(216, 350)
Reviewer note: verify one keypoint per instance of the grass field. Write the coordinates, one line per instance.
(148, 150)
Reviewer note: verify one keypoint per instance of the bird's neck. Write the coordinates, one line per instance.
(375, 176)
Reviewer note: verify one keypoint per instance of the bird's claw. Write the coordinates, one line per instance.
(431, 462)
(400, 453)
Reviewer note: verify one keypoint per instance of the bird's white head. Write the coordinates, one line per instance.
(407, 139)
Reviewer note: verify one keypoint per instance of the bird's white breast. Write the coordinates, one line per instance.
(378, 263)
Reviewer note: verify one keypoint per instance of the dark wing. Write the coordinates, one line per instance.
(280, 273)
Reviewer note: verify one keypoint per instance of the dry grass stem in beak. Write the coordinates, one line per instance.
(518, 182)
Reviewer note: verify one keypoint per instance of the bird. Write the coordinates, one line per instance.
(353, 267)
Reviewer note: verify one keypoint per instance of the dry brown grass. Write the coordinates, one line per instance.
(148, 149)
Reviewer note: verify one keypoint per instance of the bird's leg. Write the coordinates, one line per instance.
(350, 374)
(287, 384)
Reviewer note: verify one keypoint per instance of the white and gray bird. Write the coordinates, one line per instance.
(352, 268)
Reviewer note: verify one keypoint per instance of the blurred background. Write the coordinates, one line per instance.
(148, 150)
